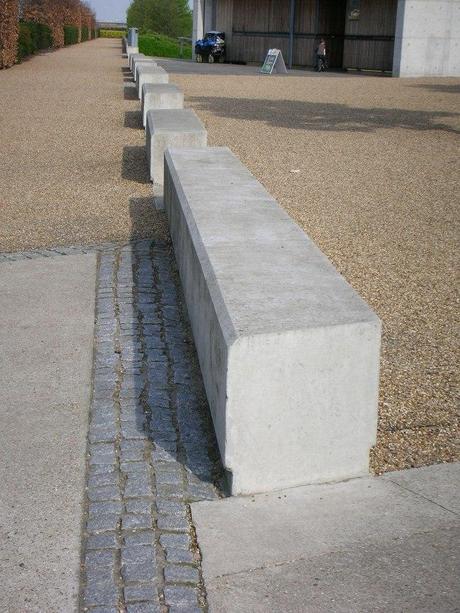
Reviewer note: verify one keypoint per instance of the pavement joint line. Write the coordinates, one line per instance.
(408, 489)
(151, 445)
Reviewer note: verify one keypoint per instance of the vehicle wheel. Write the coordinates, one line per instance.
(211, 59)
(199, 58)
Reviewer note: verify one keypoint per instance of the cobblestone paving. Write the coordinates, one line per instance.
(151, 448)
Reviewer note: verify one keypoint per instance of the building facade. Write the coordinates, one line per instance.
(405, 37)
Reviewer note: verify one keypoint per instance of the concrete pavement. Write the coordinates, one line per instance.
(377, 544)
(46, 339)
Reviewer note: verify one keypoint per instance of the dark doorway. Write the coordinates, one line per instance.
(330, 25)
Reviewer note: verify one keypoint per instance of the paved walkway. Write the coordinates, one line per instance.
(376, 545)
(46, 341)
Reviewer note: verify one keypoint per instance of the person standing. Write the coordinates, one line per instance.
(321, 54)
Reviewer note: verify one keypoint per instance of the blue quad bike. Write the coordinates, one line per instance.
(211, 48)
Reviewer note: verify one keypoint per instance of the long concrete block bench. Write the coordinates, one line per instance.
(131, 51)
(149, 74)
(163, 96)
(171, 128)
(288, 351)
(133, 57)
(144, 61)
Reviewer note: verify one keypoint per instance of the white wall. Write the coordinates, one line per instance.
(427, 38)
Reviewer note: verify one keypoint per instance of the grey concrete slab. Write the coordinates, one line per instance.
(143, 61)
(130, 51)
(149, 74)
(415, 574)
(439, 483)
(363, 545)
(133, 57)
(288, 351)
(46, 339)
(171, 128)
(160, 96)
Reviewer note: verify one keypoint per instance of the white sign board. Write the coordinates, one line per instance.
(274, 63)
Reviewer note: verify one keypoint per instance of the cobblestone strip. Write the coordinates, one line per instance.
(151, 446)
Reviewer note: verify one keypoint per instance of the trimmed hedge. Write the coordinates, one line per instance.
(9, 30)
(84, 34)
(111, 33)
(70, 35)
(33, 37)
(162, 46)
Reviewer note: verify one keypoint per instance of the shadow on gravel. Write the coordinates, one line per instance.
(323, 117)
(143, 217)
(130, 92)
(134, 165)
(442, 88)
(133, 119)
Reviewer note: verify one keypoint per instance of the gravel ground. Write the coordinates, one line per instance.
(368, 166)
(72, 168)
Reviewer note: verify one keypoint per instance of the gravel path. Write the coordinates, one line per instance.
(72, 168)
(368, 166)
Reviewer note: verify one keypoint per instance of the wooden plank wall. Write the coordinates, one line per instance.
(224, 22)
(377, 18)
(254, 26)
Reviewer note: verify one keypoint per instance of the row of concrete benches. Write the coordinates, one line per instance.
(288, 351)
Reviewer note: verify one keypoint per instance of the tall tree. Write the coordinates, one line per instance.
(170, 17)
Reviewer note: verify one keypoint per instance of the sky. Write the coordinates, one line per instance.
(112, 10)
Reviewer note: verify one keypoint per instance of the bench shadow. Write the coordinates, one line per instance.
(130, 92)
(133, 119)
(134, 164)
(443, 88)
(323, 117)
(172, 409)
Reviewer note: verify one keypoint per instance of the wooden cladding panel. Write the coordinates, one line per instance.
(248, 48)
(242, 19)
(377, 18)
(261, 16)
(370, 55)
(305, 15)
(224, 22)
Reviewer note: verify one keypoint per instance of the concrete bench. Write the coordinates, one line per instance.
(166, 96)
(143, 61)
(288, 351)
(131, 51)
(149, 74)
(133, 57)
(171, 128)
